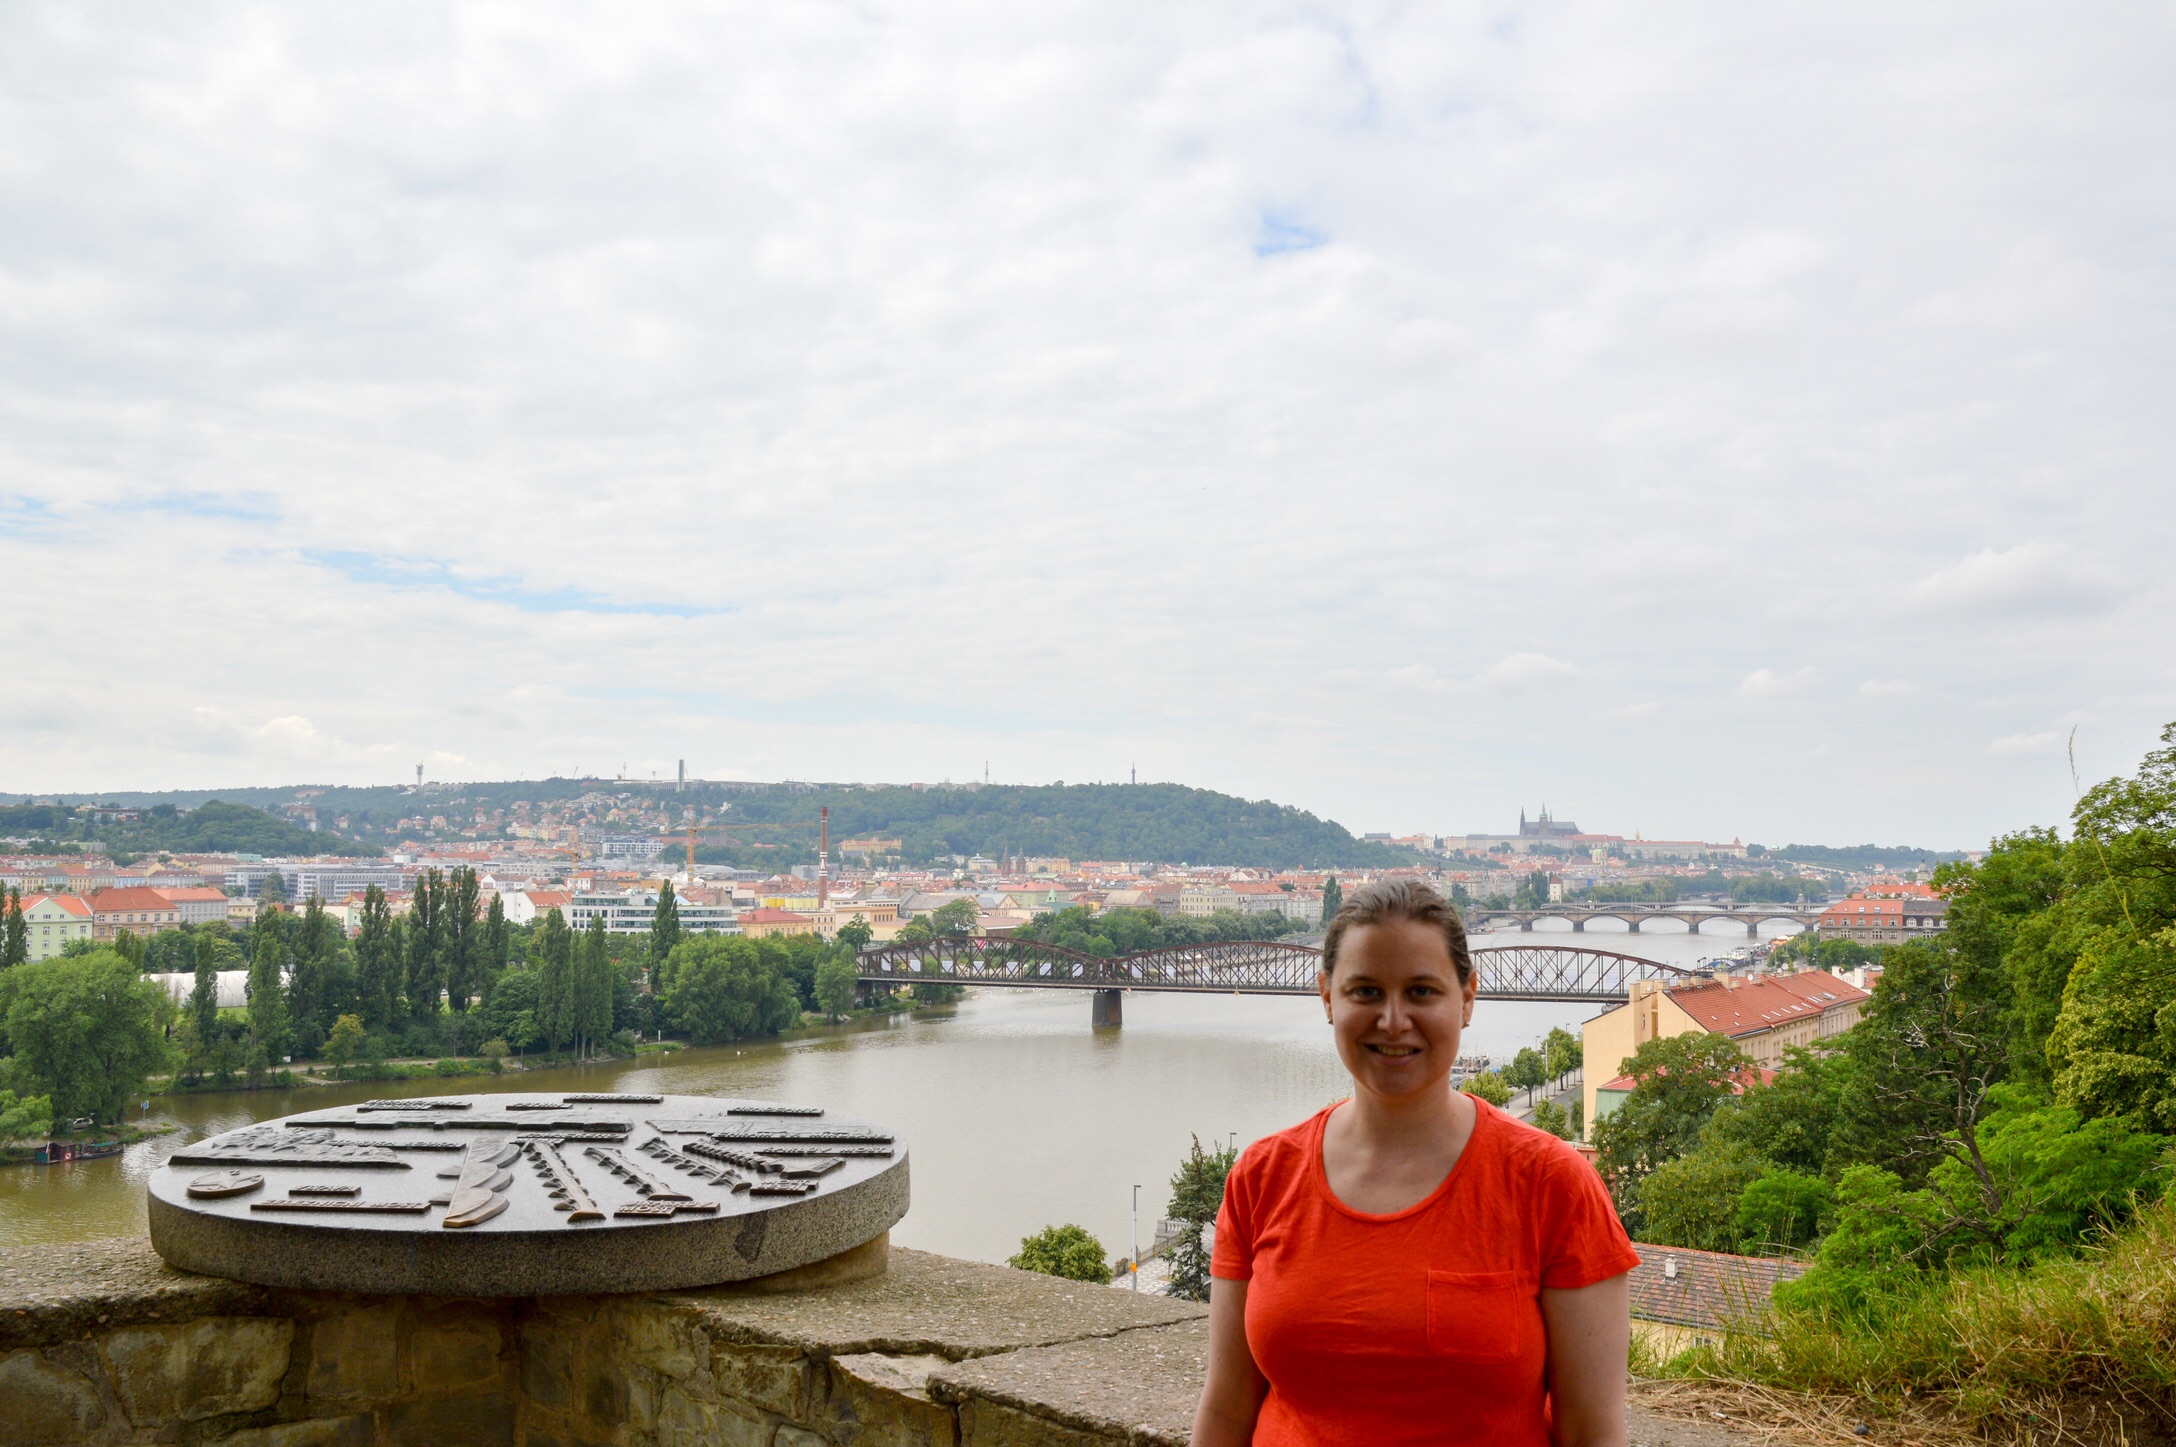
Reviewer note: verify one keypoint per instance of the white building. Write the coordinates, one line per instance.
(632, 914)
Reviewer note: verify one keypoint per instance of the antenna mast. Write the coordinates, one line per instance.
(823, 858)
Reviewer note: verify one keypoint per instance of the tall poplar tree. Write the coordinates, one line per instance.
(553, 952)
(204, 996)
(426, 948)
(378, 973)
(14, 932)
(464, 945)
(267, 995)
(1333, 895)
(314, 944)
(664, 934)
(497, 942)
(593, 987)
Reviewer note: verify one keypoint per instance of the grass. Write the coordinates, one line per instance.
(2078, 1350)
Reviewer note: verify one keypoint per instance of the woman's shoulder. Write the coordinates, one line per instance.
(1284, 1151)
(1530, 1152)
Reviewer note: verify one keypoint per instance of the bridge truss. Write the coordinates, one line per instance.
(1244, 967)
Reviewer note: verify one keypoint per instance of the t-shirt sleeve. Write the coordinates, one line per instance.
(1585, 1242)
(1233, 1258)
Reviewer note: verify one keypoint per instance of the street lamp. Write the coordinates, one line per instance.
(1136, 1271)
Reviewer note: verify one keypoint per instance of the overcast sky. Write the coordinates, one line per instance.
(1709, 419)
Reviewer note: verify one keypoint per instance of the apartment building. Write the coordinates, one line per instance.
(1763, 1016)
(138, 910)
(53, 920)
(1885, 914)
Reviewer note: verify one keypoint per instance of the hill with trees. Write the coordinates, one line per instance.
(210, 827)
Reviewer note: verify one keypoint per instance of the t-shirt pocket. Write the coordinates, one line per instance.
(1477, 1316)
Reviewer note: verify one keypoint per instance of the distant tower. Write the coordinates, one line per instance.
(419, 776)
(1133, 774)
(823, 858)
(682, 786)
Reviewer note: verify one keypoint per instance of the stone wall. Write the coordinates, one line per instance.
(102, 1343)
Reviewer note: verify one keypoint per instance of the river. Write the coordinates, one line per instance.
(1017, 1114)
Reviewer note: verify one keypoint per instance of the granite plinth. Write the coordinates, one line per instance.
(515, 1196)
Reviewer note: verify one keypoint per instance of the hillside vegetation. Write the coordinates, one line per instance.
(212, 827)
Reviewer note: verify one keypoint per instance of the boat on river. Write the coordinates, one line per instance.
(52, 1153)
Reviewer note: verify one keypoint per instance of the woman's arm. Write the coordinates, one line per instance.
(1235, 1388)
(1590, 1333)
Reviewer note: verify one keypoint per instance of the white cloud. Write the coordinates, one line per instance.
(1887, 688)
(1518, 671)
(2039, 580)
(1767, 683)
(1630, 712)
(2048, 742)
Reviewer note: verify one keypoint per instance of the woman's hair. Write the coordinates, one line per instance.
(1389, 899)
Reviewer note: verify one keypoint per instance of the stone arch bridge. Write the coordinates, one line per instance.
(1240, 967)
(1752, 916)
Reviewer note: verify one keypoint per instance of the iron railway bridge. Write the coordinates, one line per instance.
(1240, 967)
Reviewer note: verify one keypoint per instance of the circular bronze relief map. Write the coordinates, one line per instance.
(529, 1195)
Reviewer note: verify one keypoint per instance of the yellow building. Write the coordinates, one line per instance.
(757, 923)
(1763, 1016)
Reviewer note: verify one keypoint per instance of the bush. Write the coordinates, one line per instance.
(1488, 1086)
(1067, 1251)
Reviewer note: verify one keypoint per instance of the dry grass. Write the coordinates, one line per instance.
(2080, 1351)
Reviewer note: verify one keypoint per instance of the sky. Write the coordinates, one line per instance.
(1706, 420)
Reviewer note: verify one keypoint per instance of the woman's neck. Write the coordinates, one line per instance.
(1393, 1120)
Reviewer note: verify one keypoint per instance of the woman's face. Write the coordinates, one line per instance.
(1397, 1006)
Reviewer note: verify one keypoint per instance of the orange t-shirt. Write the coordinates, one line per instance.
(1422, 1326)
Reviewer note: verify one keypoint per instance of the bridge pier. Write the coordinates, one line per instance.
(1109, 1009)
(1526, 926)
(1579, 926)
(1752, 929)
(1632, 925)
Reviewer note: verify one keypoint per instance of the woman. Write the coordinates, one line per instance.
(1413, 1265)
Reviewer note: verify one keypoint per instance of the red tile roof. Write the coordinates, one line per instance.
(69, 902)
(1704, 1288)
(1753, 1006)
(193, 895)
(139, 899)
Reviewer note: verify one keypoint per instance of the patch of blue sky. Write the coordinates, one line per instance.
(381, 570)
(1283, 232)
(242, 507)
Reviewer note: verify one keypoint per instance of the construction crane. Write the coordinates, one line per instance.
(821, 825)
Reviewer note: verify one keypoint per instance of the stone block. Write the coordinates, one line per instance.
(352, 1431)
(789, 1435)
(355, 1357)
(683, 1421)
(1137, 1386)
(668, 1340)
(990, 1424)
(470, 1421)
(198, 1369)
(45, 1402)
(449, 1355)
(773, 1378)
(546, 1437)
(547, 1364)
(883, 1401)
(601, 1389)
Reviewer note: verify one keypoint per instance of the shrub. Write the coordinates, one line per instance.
(1067, 1251)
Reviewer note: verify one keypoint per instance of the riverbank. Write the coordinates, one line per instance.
(23, 1153)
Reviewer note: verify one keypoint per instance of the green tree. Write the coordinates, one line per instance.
(956, 917)
(267, 995)
(14, 933)
(722, 989)
(592, 1002)
(426, 982)
(1488, 1086)
(129, 946)
(463, 942)
(1677, 1083)
(510, 1011)
(664, 931)
(1551, 1117)
(204, 991)
(1067, 1251)
(1527, 1070)
(1782, 1210)
(835, 985)
(344, 1046)
(1564, 1051)
(378, 971)
(316, 940)
(273, 890)
(855, 934)
(87, 1031)
(24, 1119)
(553, 952)
(1333, 899)
(498, 941)
(1693, 1199)
(1197, 1194)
